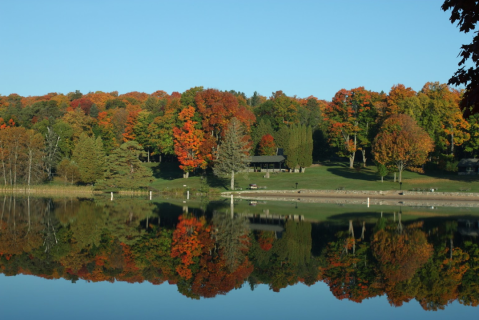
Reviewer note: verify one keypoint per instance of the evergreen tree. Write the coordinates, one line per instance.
(281, 137)
(90, 158)
(100, 157)
(255, 100)
(125, 170)
(94, 111)
(291, 149)
(305, 154)
(232, 155)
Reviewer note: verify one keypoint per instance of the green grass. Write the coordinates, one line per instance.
(330, 176)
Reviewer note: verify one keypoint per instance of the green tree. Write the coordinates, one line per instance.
(125, 170)
(140, 130)
(382, 170)
(90, 158)
(292, 147)
(232, 154)
(305, 148)
(472, 145)
(94, 111)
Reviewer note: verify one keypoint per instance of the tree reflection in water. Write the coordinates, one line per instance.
(435, 262)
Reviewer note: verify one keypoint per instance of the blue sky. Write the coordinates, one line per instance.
(301, 47)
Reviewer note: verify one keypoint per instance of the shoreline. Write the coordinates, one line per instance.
(387, 197)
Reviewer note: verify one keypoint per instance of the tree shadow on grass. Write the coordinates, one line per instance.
(348, 173)
(217, 182)
(451, 176)
(167, 171)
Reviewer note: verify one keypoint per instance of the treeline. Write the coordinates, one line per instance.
(205, 255)
(190, 128)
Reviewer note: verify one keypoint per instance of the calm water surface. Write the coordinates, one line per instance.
(129, 258)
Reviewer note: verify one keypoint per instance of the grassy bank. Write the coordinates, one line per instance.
(50, 190)
(327, 176)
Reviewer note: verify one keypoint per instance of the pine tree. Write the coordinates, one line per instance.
(292, 148)
(232, 155)
(281, 137)
(125, 170)
(94, 111)
(90, 159)
(305, 153)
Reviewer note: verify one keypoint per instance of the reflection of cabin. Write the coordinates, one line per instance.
(468, 166)
(270, 222)
(468, 227)
(268, 163)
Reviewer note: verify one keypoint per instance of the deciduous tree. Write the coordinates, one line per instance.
(401, 143)
(187, 142)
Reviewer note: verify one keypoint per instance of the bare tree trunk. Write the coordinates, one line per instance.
(2, 148)
(363, 152)
(400, 169)
(30, 157)
(232, 180)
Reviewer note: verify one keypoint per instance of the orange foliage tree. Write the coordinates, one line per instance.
(187, 142)
(401, 143)
(349, 117)
(267, 147)
(217, 109)
(397, 94)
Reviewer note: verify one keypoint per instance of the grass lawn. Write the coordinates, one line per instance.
(327, 176)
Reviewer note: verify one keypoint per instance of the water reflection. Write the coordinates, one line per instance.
(216, 248)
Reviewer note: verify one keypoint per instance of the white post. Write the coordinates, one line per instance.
(188, 195)
(368, 202)
(150, 194)
(111, 196)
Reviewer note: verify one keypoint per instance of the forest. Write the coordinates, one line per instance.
(105, 139)
(207, 252)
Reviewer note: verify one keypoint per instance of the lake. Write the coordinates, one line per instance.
(174, 258)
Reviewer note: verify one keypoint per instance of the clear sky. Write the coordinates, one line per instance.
(301, 47)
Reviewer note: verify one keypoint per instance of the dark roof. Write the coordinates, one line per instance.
(468, 163)
(266, 159)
